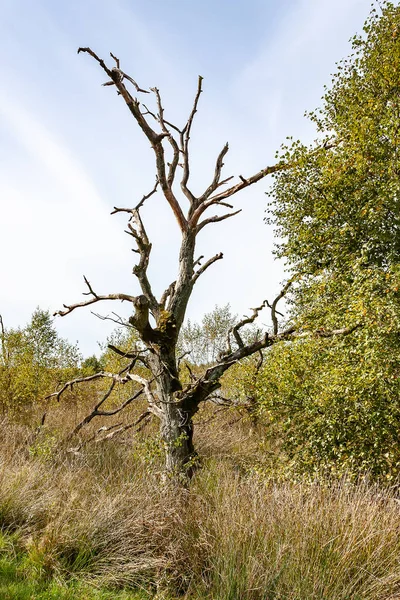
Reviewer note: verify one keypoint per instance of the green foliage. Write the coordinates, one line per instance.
(334, 404)
(92, 365)
(338, 213)
(343, 203)
(34, 360)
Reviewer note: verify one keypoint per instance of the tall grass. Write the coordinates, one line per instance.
(103, 516)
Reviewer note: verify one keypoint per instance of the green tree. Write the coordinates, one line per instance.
(206, 340)
(338, 214)
(33, 360)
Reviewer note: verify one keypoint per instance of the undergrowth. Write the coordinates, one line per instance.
(101, 517)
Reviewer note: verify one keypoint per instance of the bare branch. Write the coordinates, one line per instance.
(333, 332)
(181, 357)
(146, 388)
(95, 412)
(242, 323)
(4, 346)
(134, 355)
(116, 73)
(171, 139)
(273, 306)
(217, 174)
(167, 294)
(116, 60)
(140, 204)
(138, 232)
(154, 138)
(118, 320)
(99, 60)
(96, 298)
(116, 377)
(198, 261)
(207, 264)
(144, 416)
(185, 138)
(216, 219)
(259, 362)
(202, 207)
(155, 117)
(214, 415)
(245, 182)
(93, 437)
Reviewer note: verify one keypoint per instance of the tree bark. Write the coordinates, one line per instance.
(176, 429)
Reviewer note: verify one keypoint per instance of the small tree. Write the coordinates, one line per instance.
(171, 401)
(203, 342)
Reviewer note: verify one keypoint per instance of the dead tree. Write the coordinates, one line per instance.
(172, 402)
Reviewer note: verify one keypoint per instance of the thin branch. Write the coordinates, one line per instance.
(115, 432)
(144, 416)
(118, 320)
(217, 174)
(273, 306)
(4, 346)
(96, 298)
(245, 321)
(99, 60)
(213, 416)
(207, 264)
(3, 331)
(152, 402)
(155, 117)
(181, 357)
(191, 374)
(171, 139)
(117, 74)
(102, 375)
(140, 204)
(138, 232)
(134, 355)
(185, 138)
(259, 362)
(198, 261)
(216, 219)
(245, 182)
(95, 412)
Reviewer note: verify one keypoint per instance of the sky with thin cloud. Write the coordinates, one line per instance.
(70, 151)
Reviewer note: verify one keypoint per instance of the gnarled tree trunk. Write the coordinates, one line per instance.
(173, 403)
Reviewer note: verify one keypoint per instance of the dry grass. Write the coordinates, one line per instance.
(103, 516)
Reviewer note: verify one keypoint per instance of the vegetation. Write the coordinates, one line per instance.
(335, 401)
(33, 360)
(297, 497)
(100, 517)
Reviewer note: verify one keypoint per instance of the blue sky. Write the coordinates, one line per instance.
(69, 150)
